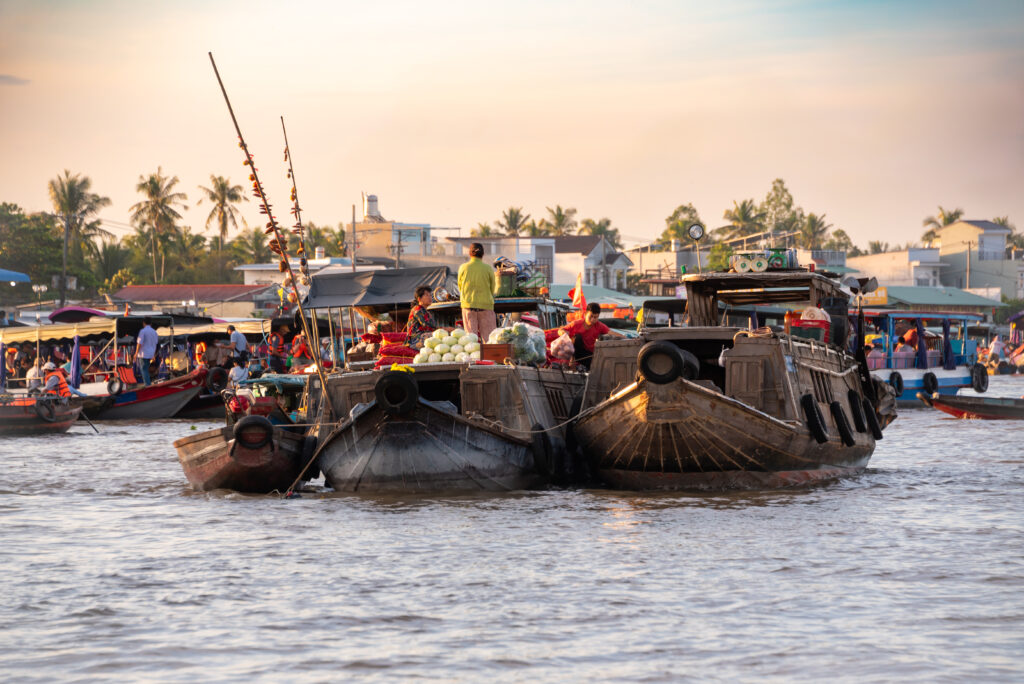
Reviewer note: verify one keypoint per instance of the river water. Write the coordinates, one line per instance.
(113, 569)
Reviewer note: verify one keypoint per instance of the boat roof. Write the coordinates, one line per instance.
(705, 291)
(93, 330)
(378, 289)
(924, 315)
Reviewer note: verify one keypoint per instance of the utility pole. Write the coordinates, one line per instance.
(969, 243)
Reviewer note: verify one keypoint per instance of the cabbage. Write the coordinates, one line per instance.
(451, 341)
(434, 358)
(449, 357)
(470, 347)
(461, 357)
(500, 336)
(440, 333)
(475, 356)
(519, 329)
(458, 332)
(431, 342)
(418, 358)
(470, 337)
(457, 349)
(442, 348)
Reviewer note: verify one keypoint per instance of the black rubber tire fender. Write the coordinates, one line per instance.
(842, 423)
(930, 383)
(979, 378)
(216, 379)
(396, 392)
(815, 420)
(44, 409)
(662, 362)
(857, 411)
(872, 420)
(259, 424)
(309, 443)
(114, 386)
(543, 455)
(896, 380)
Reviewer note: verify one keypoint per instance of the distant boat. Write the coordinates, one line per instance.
(985, 408)
(36, 415)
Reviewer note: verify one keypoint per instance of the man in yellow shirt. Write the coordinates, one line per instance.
(476, 290)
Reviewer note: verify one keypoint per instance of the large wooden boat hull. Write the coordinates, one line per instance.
(154, 402)
(214, 460)
(31, 416)
(683, 435)
(427, 450)
(987, 408)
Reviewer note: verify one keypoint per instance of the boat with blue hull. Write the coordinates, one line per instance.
(945, 363)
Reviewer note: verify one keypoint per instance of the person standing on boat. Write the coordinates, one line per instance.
(421, 323)
(476, 289)
(585, 333)
(239, 345)
(275, 358)
(145, 348)
(996, 350)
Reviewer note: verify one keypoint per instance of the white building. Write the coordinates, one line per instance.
(917, 267)
(270, 274)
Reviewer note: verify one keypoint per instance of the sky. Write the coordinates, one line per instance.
(874, 113)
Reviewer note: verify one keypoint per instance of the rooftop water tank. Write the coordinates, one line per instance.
(318, 253)
(370, 210)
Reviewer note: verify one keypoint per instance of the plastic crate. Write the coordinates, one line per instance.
(811, 330)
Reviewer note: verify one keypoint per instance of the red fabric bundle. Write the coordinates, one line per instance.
(551, 335)
(370, 338)
(388, 360)
(398, 350)
(394, 338)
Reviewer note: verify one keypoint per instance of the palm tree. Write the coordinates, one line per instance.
(331, 239)
(223, 196)
(561, 221)
(513, 220)
(109, 258)
(813, 231)
(75, 205)
(678, 224)
(158, 212)
(878, 247)
(1014, 239)
(745, 218)
(482, 230)
(603, 228)
(937, 222)
(537, 228)
(251, 247)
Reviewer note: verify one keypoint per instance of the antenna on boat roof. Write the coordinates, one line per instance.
(278, 245)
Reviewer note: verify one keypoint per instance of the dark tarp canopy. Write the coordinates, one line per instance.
(377, 289)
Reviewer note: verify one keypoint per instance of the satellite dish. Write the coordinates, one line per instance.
(695, 231)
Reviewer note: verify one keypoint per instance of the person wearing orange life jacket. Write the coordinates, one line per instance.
(301, 354)
(56, 383)
(276, 343)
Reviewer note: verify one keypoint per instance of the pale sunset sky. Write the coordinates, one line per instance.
(874, 113)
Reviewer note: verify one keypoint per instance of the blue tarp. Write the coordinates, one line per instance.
(13, 277)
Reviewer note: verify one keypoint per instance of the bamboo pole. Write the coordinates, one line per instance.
(272, 228)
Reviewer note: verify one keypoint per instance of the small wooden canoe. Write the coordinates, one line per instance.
(36, 415)
(252, 456)
(985, 408)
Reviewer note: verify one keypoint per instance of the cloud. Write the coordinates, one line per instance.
(7, 79)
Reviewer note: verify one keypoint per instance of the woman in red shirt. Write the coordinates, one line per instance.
(584, 333)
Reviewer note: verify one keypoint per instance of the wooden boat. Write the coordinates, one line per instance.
(252, 456)
(23, 415)
(715, 407)
(154, 402)
(450, 427)
(444, 426)
(985, 408)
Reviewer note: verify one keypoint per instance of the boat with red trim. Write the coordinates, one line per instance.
(24, 415)
(984, 408)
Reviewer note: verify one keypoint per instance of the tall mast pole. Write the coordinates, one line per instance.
(278, 244)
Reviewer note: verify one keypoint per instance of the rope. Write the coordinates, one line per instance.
(499, 424)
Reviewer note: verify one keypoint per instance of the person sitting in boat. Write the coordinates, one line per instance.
(585, 333)
(903, 355)
(57, 383)
(238, 373)
(421, 322)
(34, 376)
(875, 355)
(301, 356)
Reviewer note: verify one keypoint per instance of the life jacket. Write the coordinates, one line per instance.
(276, 341)
(62, 384)
(200, 352)
(299, 348)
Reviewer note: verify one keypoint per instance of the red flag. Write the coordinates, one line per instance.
(578, 300)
